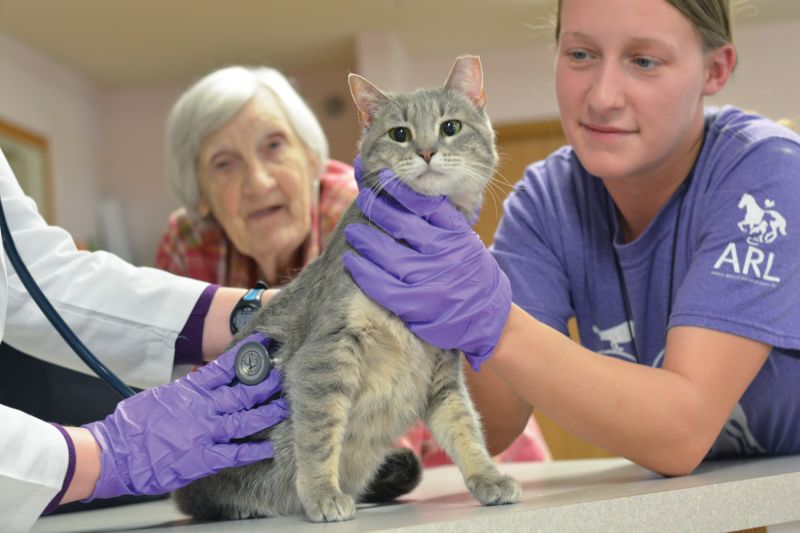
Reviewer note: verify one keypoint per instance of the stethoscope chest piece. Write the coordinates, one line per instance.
(252, 363)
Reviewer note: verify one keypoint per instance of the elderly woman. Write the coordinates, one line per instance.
(261, 198)
(249, 161)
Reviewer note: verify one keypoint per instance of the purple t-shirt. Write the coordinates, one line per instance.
(723, 253)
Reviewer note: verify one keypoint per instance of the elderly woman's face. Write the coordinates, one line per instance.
(255, 177)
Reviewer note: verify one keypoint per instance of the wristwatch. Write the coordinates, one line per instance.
(246, 307)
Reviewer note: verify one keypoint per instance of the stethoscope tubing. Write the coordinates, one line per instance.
(52, 315)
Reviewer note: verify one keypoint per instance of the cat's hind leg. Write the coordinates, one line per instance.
(236, 493)
(455, 425)
(262, 489)
(203, 499)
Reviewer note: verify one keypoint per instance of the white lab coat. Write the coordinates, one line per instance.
(129, 317)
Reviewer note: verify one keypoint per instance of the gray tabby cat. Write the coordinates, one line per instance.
(355, 377)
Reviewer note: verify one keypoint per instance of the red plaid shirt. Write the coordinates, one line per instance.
(197, 247)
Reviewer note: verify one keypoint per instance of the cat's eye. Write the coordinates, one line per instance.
(451, 127)
(400, 134)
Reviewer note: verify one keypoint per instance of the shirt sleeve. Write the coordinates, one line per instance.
(744, 276)
(33, 463)
(129, 317)
(526, 248)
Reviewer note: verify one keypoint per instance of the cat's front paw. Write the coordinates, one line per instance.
(330, 507)
(495, 489)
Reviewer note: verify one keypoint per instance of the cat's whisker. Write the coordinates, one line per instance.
(495, 191)
(496, 200)
(499, 178)
(491, 190)
(379, 188)
(496, 174)
(496, 186)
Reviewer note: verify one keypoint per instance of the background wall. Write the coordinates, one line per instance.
(51, 100)
(106, 144)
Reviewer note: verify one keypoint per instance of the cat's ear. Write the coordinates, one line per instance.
(367, 98)
(466, 77)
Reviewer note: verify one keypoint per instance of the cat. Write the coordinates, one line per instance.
(354, 376)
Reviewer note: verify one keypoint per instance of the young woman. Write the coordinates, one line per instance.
(662, 227)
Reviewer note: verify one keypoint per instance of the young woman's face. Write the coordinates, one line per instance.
(255, 176)
(630, 77)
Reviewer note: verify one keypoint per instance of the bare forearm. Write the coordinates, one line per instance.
(87, 465)
(504, 413)
(652, 416)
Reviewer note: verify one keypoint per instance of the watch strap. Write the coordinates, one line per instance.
(250, 299)
(254, 294)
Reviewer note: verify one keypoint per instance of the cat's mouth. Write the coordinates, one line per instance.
(430, 175)
(431, 183)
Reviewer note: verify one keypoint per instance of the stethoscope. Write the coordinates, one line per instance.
(252, 362)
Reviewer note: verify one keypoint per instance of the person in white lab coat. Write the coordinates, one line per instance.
(140, 321)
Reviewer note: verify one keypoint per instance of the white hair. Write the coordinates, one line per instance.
(212, 102)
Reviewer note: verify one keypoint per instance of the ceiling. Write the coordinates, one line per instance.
(138, 43)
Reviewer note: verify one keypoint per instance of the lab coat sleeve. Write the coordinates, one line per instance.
(33, 463)
(129, 317)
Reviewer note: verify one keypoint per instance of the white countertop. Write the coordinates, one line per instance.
(584, 495)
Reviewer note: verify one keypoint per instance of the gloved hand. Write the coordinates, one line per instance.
(163, 438)
(444, 284)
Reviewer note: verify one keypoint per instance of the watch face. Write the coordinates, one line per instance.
(242, 315)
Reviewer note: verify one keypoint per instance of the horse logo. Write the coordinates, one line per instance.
(616, 336)
(762, 225)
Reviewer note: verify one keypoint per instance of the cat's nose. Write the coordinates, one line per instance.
(426, 155)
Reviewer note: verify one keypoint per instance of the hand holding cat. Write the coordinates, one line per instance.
(443, 283)
(163, 438)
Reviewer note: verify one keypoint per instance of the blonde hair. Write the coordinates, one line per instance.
(711, 19)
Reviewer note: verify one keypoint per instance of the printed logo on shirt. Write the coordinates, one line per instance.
(748, 260)
(736, 438)
(762, 225)
(616, 336)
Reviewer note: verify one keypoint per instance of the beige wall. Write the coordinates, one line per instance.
(324, 88)
(54, 102)
(519, 81)
(108, 144)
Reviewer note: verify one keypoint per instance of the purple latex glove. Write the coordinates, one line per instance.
(444, 284)
(163, 438)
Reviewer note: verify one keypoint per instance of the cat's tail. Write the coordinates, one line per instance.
(399, 474)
